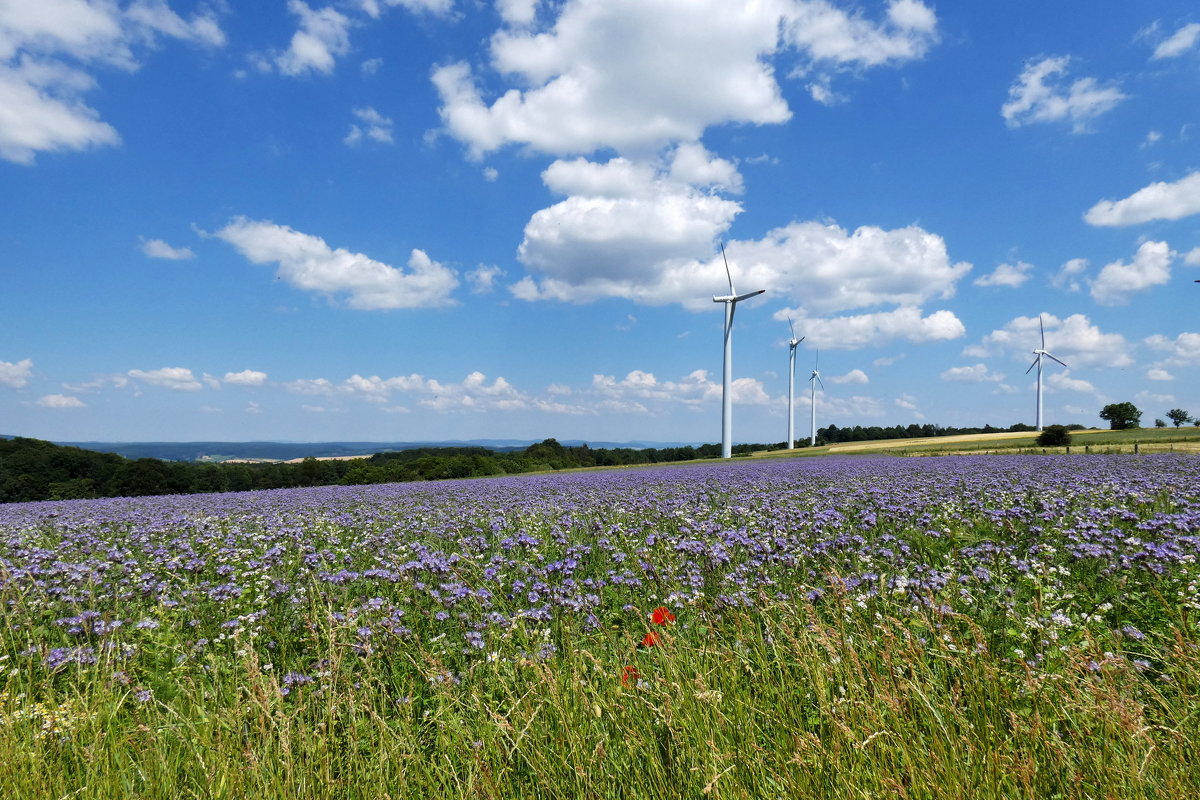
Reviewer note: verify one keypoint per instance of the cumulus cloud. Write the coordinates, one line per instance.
(324, 35)
(482, 279)
(1159, 374)
(46, 50)
(374, 8)
(1159, 200)
(1151, 266)
(60, 401)
(853, 376)
(176, 378)
(1179, 42)
(157, 248)
(1008, 275)
(977, 373)
(1073, 339)
(1063, 380)
(691, 390)
(634, 75)
(16, 375)
(374, 126)
(1068, 276)
(645, 245)
(877, 329)
(1041, 94)
(1183, 350)
(247, 377)
(308, 263)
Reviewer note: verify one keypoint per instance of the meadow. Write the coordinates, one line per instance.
(955, 627)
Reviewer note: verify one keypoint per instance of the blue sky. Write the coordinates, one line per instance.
(437, 219)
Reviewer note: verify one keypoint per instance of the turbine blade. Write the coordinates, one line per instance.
(818, 377)
(791, 327)
(1034, 364)
(1042, 329)
(1058, 360)
(728, 274)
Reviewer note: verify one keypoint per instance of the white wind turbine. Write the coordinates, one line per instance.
(813, 380)
(730, 301)
(791, 440)
(1037, 362)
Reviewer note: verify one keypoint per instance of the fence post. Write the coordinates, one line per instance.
(1135, 448)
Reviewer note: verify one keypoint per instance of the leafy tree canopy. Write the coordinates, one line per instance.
(1121, 416)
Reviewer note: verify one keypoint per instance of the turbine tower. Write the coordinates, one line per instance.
(813, 380)
(731, 300)
(791, 440)
(1037, 362)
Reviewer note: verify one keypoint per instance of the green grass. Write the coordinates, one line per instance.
(784, 702)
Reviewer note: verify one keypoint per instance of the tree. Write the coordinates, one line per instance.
(1121, 416)
(1158, 423)
(1178, 416)
(1054, 436)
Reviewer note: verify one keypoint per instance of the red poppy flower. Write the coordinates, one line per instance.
(630, 676)
(662, 616)
(651, 639)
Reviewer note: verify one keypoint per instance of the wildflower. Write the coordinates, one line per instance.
(651, 639)
(662, 616)
(630, 675)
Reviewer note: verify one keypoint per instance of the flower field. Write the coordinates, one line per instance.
(996, 626)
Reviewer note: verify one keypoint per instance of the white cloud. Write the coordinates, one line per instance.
(635, 75)
(371, 66)
(880, 328)
(517, 12)
(1183, 350)
(317, 386)
(375, 126)
(155, 15)
(979, 373)
(1193, 258)
(253, 408)
(45, 48)
(1159, 374)
(1073, 339)
(1151, 266)
(1151, 397)
(1062, 380)
(16, 375)
(630, 233)
(1159, 200)
(1008, 275)
(247, 377)
(157, 248)
(1179, 42)
(482, 279)
(1067, 277)
(853, 376)
(60, 401)
(324, 34)
(909, 403)
(308, 263)
(373, 8)
(491, 174)
(177, 378)
(691, 390)
(1041, 95)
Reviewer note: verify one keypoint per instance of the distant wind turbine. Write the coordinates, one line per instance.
(1037, 362)
(731, 300)
(813, 380)
(791, 440)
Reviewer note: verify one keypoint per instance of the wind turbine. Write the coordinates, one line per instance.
(1037, 362)
(791, 440)
(813, 380)
(731, 300)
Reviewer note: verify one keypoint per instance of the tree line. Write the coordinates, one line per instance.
(31, 469)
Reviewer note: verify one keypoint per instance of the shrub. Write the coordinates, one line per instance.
(1054, 436)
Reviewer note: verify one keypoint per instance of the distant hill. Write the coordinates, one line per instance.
(286, 451)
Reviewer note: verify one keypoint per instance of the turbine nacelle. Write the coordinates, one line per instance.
(736, 298)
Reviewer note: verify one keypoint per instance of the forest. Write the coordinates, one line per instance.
(32, 469)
